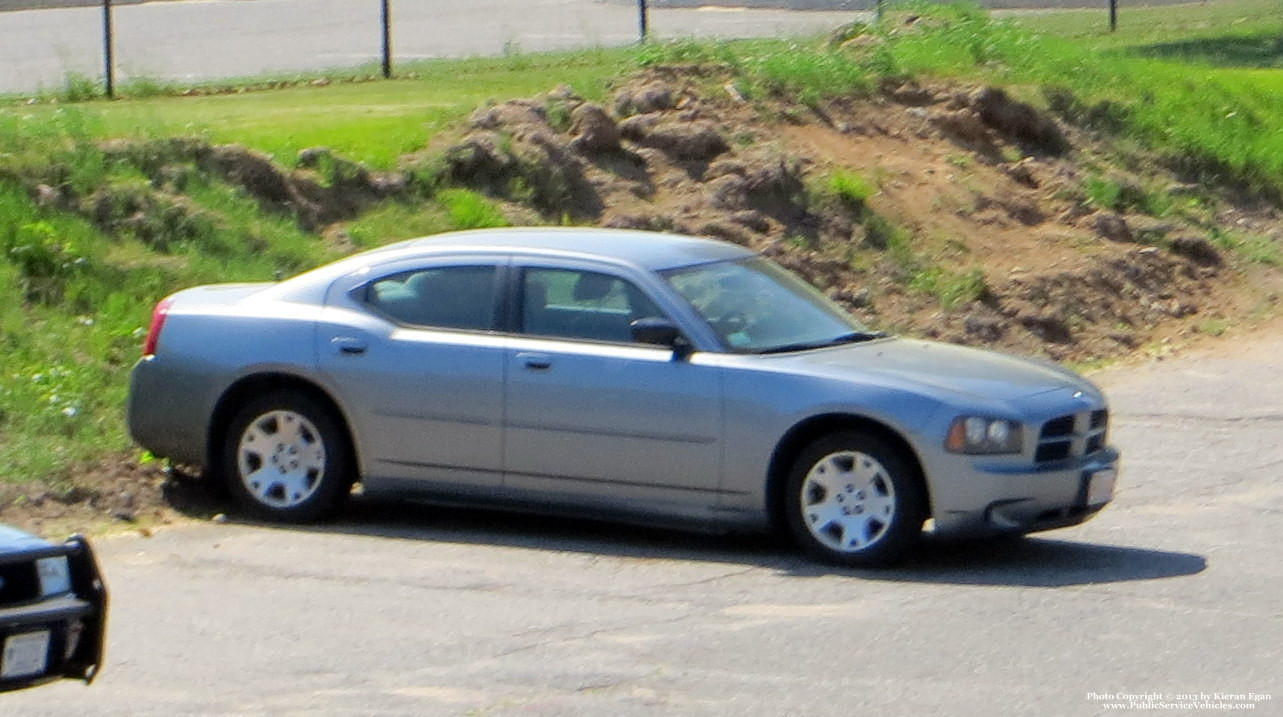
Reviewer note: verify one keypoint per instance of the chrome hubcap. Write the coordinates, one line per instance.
(848, 501)
(281, 459)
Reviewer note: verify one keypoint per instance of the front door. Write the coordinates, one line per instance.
(593, 417)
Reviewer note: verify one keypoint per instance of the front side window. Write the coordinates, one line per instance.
(453, 297)
(755, 306)
(573, 304)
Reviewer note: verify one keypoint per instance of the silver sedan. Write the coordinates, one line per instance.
(629, 375)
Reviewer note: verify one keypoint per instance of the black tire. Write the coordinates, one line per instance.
(872, 517)
(286, 459)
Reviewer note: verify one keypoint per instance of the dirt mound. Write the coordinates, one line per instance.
(322, 188)
(1110, 305)
(662, 160)
(118, 490)
(979, 229)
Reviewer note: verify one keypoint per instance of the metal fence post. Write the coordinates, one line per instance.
(387, 39)
(107, 50)
(643, 20)
(1113, 15)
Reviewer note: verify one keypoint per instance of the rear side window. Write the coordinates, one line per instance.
(453, 297)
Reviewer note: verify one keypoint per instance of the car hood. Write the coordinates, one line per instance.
(939, 369)
(13, 540)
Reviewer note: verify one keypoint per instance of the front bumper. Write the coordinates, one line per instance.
(69, 629)
(976, 499)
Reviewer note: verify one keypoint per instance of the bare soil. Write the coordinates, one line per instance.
(979, 190)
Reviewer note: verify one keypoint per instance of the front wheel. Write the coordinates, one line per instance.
(854, 501)
(286, 459)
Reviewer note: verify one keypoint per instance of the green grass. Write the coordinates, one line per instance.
(371, 122)
(74, 301)
(453, 209)
(1212, 118)
(1223, 29)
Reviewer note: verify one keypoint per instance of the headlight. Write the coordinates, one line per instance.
(981, 435)
(55, 575)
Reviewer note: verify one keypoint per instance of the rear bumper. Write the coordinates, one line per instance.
(75, 623)
(163, 412)
(994, 499)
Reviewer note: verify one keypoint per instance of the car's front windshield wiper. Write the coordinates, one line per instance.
(854, 337)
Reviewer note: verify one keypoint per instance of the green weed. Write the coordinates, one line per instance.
(469, 210)
(79, 88)
(1252, 248)
(143, 87)
(952, 289)
(879, 233)
(449, 210)
(1125, 195)
(1213, 327)
(850, 188)
(808, 73)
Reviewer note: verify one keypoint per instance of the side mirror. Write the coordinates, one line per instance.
(659, 331)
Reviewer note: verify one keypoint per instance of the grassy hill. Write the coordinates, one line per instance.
(892, 188)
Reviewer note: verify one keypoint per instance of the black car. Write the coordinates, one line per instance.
(53, 610)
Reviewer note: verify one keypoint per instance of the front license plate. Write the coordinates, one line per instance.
(24, 655)
(1100, 487)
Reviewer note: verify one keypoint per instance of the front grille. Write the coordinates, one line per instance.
(1071, 435)
(1056, 427)
(18, 583)
(1055, 451)
(1094, 443)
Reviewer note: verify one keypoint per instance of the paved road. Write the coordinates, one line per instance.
(419, 611)
(208, 39)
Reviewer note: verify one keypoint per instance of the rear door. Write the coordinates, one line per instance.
(414, 353)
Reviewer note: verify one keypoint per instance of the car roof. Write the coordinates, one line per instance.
(652, 250)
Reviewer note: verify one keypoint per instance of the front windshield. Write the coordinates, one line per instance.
(757, 307)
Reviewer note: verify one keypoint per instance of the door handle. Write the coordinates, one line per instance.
(537, 362)
(348, 346)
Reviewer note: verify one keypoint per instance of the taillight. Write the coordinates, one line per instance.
(158, 315)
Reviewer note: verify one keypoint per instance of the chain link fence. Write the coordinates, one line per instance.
(44, 44)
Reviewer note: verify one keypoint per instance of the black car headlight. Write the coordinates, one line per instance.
(983, 435)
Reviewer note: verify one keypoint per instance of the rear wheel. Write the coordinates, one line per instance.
(854, 501)
(286, 459)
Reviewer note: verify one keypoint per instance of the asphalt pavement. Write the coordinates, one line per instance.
(1172, 591)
